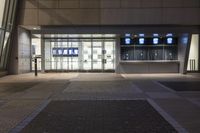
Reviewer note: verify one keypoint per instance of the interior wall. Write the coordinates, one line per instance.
(109, 12)
(194, 53)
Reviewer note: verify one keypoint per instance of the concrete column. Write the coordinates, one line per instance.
(118, 55)
(42, 55)
(183, 51)
(24, 51)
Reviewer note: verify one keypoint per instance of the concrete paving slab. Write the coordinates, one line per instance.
(14, 111)
(186, 113)
(162, 95)
(99, 117)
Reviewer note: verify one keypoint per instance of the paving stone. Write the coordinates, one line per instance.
(104, 116)
(162, 95)
(182, 85)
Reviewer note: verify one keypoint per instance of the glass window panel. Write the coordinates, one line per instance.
(2, 5)
(5, 43)
(10, 15)
(1, 39)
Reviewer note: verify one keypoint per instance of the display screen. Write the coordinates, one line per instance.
(68, 52)
(141, 40)
(170, 40)
(149, 41)
(156, 40)
(127, 41)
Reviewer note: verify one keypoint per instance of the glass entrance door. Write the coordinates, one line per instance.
(79, 54)
(97, 56)
(109, 55)
(86, 55)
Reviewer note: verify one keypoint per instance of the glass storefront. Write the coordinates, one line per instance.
(7, 16)
(149, 48)
(80, 54)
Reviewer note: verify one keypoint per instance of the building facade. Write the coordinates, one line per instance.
(122, 36)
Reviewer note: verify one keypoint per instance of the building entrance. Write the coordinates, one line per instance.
(79, 54)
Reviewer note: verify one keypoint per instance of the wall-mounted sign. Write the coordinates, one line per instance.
(68, 52)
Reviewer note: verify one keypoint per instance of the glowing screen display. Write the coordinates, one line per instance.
(169, 40)
(127, 41)
(141, 40)
(155, 40)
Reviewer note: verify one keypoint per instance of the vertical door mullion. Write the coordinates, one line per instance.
(92, 46)
(103, 54)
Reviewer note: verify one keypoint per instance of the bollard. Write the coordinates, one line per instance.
(36, 72)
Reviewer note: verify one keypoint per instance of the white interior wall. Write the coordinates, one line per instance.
(194, 51)
(37, 43)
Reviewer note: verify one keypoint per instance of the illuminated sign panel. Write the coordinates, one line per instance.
(68, 52)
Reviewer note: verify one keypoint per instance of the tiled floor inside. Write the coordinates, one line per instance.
(24, 97)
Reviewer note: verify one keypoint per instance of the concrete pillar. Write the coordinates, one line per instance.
(42, 54)
(118, 55)
(183, 51)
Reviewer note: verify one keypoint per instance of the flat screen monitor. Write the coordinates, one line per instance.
(170, 40)
(127, 41)
(141, 40)
(156, 40)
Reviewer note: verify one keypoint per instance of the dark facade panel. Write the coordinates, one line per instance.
(114, 12)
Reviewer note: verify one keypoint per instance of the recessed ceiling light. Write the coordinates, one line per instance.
(35, 28)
